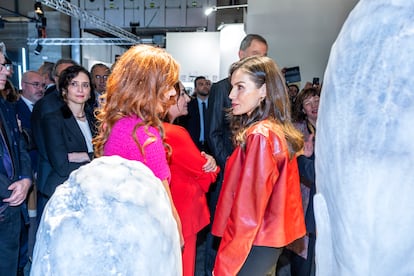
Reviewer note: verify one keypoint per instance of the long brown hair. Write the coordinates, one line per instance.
(137, 86)
(274, 107)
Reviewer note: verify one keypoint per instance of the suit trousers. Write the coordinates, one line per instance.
(260, 261)
(9, 242)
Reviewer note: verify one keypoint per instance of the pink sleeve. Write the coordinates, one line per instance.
(155, 155)
(120, 142)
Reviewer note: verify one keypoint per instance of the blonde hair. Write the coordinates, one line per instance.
(137, 86)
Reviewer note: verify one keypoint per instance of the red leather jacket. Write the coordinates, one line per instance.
(260, 201)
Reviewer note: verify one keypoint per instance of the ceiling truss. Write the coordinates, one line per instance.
(74, 11)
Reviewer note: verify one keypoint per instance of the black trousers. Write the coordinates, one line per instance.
(260, 261)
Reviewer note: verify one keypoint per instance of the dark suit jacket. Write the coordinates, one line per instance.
(193, 121)
(20, 157)
(50, 89)
(192, 124)
(24, 114)
(219, 134)
(49, 103)
(62, 136)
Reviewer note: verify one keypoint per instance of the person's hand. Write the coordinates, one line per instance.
(308, 147)
(308, 85)
(210, 165)
(19, 192)
(78, 157)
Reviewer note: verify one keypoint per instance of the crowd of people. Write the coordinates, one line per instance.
(235, 158)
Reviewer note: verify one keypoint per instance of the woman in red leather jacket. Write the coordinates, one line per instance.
(260, 208)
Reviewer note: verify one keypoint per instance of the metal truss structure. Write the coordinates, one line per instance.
(74, 11)
(80, 41)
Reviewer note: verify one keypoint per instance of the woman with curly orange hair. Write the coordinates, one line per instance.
(139, 91)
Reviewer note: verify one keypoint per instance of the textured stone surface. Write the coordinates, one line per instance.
(364, 145)
(112, 217)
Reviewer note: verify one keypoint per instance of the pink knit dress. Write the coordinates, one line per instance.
(120, 142)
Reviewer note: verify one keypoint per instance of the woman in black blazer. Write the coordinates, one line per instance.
(68, 132)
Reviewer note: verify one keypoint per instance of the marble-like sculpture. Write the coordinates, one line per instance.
(365, 145)
(112, 217)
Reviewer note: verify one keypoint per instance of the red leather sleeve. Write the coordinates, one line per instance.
(258, 175)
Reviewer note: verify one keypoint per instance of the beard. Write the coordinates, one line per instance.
(202, 93)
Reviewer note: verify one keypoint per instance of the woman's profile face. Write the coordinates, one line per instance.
(181, 107)
(244, 95)
(79, 89)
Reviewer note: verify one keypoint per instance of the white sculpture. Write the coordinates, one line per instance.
(365, 145)
(112, 217)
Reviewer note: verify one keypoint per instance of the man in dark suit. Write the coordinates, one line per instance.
(197, 108)
(46, 71)
(15, 178)
(49, 103)
(219, 134)
(32, 90)
(100, 73)
(32, 84)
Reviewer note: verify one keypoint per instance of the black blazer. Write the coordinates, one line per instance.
(193, 121)
(219, 134)
(24, 114)
(20, 157)
(62, 135)
(49, 103)
(192, 124)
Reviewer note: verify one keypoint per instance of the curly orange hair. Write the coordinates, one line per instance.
(137, 86)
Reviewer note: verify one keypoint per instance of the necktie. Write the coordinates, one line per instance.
(7, 163)
(203, 121)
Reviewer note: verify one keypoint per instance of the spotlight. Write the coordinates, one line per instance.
(38, 49)
(211, 9)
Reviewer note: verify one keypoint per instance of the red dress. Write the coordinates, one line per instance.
(189, 184)
(260, 201)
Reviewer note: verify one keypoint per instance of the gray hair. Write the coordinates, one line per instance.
(2, 48)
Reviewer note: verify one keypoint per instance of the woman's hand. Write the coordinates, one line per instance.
(210, 165)
(309, 146)
(78, 157)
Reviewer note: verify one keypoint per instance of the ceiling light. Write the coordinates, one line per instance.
(38, 8)
(211, 9)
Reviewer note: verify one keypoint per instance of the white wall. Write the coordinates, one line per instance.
(299, 32)
(230, 37)
(208, 54)
(198, 54)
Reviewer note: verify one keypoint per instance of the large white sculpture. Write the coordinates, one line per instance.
(365, 145)
(112, 217)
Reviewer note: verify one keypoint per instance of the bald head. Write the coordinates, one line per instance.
(32, 86)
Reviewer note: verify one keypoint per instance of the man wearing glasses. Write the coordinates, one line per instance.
(15, 181)
(100, 73)
(32, 89)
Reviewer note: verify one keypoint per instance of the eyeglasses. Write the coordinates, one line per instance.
(6, 66)
(99, 77)
(76, 84)
(36, 84)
